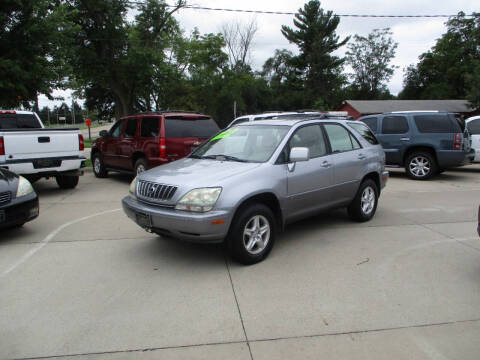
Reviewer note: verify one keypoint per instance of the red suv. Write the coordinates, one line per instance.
(140, 142)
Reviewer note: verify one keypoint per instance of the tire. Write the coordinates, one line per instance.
(140, 166)
(67, 182)
(98, 166)
(252, 234)
(364, 205)
(420, 165)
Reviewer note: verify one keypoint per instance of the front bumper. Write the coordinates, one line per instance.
(19, 211)
(194, 227)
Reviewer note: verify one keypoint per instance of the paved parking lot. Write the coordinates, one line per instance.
(83, 280)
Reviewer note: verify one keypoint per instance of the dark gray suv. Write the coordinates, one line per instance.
(248, 181)
(424, 142)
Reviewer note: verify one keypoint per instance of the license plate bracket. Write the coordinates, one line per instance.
(144, 220)
(46, 163)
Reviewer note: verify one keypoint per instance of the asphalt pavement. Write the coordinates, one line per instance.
(83, 281)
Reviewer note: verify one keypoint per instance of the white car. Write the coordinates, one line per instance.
(473, 126)
(290, 115)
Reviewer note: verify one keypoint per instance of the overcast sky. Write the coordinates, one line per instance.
(414, 36)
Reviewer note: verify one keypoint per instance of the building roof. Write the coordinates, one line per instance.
(382, 106)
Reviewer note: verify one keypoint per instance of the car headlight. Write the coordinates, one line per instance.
(199, 200)
(133, 186)
(24, 187)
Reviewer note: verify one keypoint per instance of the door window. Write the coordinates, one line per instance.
(149, 127)
(131, 128)
(310, 137)
(371, 123)
(473, 127)
(116, 129)
(394, 125)
(340, 138)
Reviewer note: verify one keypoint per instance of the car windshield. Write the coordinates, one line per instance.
(254, 143)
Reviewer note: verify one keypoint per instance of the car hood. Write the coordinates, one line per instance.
(7, 180)
(197, 172)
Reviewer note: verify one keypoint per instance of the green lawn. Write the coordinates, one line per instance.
(88, 143)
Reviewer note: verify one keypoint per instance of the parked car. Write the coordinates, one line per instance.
(424, 142)
(291, 115)
(473, 126)
(18, 200)
(251, 180)
(28, 149)
(140, 142)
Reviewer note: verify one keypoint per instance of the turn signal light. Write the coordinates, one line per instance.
(2, 146)
(163, 148)
(457, 142)
(81, 142)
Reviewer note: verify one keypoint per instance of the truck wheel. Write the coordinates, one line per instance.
(140, 166)
(98, 167)
(252, 234)
(67, 182)
(364, 205)
(420, 165)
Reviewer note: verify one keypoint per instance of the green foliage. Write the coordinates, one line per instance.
(370, 59)
(445, 70)
(315, 35)
(32, 36)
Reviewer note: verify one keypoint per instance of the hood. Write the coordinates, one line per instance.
(7, 180)
(197, 172)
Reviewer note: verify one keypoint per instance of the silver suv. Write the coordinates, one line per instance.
(249, 181)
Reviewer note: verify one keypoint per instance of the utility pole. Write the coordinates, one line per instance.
(73, 111)
(234, 109)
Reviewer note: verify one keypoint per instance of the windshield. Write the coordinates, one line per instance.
(243, 143)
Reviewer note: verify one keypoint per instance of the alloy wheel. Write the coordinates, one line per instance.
(256, 234)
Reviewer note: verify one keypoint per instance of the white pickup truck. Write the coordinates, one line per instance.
(28, 149)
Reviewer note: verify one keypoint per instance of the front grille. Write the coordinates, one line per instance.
(154, 191)
(5, 197)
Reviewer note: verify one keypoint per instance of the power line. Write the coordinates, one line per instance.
(268, 12)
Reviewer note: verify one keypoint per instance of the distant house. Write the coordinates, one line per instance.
(357, 108)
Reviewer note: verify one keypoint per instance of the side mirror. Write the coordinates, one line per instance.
(103, 133)
(299, 154)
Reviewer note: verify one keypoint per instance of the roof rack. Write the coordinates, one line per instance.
(168, 111)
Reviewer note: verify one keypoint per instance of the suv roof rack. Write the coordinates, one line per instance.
(414, 111)
(168, 111)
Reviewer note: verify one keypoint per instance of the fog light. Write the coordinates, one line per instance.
(34, 211)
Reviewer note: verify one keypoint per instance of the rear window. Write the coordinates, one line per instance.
(188, 127)
(149, 127)
(364, 131)
(473, 127)
(19, 121)
(434, 123)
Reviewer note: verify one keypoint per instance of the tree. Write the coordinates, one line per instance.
(473, 86)
(445, 70)
(31, 36)
(370, 59)
(238, 40)
(119, 56)
(316, 38)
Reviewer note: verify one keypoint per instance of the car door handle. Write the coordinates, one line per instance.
(325, 164)
(361, 157)
(404, 139)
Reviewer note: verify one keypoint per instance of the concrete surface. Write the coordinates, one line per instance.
(84, 282)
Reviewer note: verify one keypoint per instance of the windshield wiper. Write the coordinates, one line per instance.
(226, 157)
